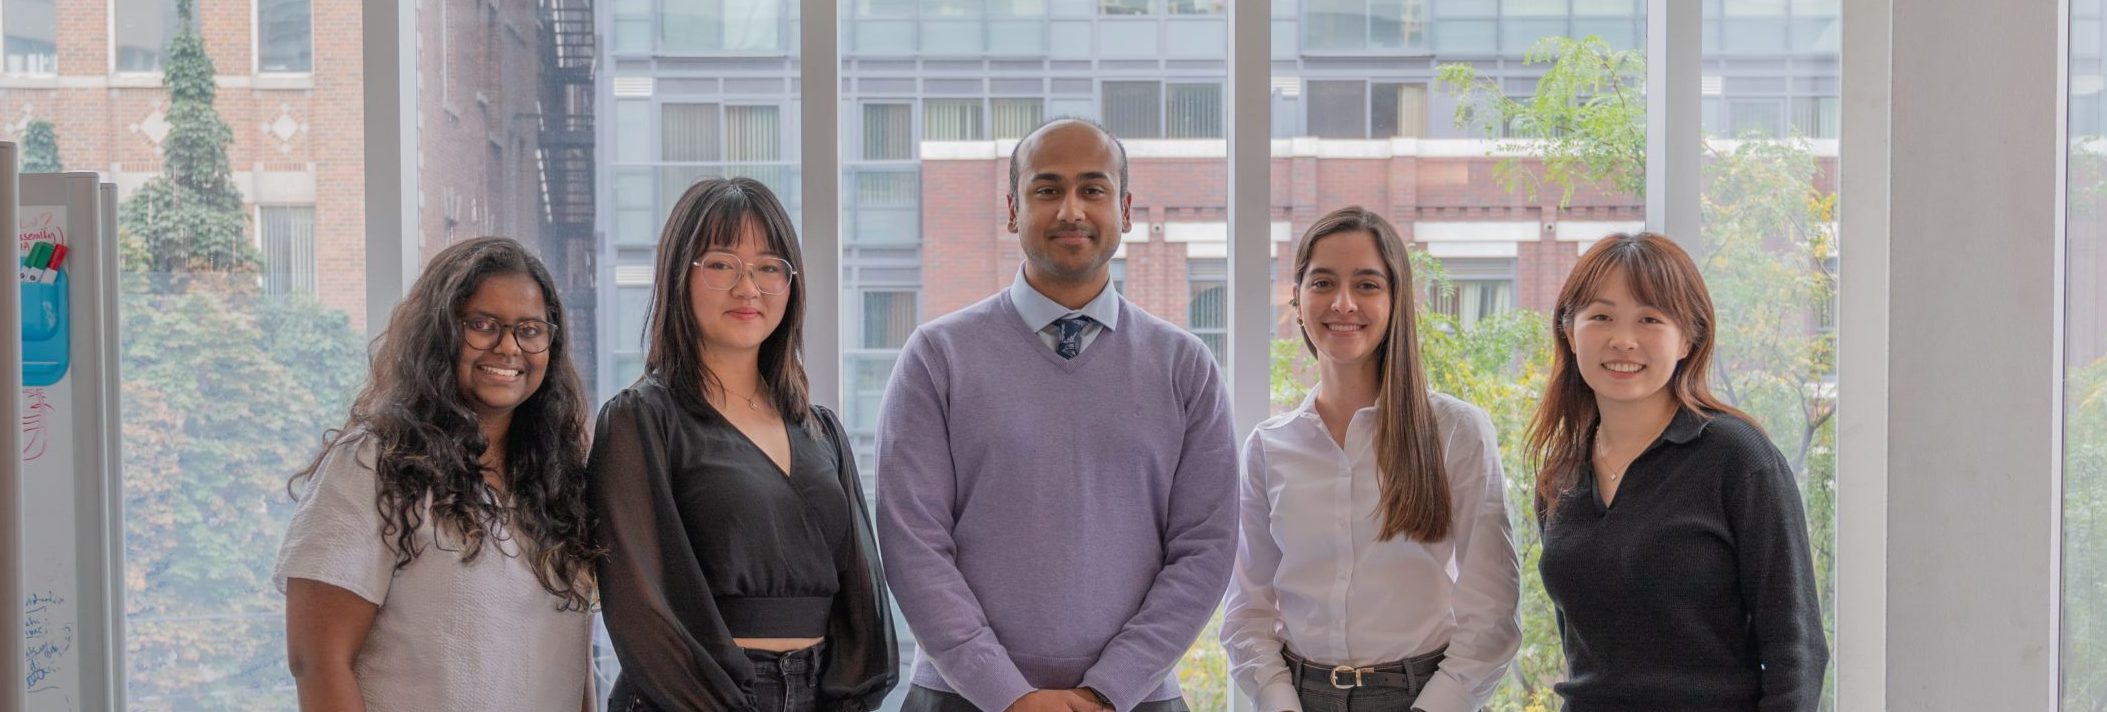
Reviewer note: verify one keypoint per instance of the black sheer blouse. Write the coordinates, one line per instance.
(707, 541)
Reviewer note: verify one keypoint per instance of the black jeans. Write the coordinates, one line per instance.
(923, 699)
(783, 682)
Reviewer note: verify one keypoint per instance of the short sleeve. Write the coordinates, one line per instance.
(335, 536)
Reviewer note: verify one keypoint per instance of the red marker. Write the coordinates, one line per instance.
(51, 267)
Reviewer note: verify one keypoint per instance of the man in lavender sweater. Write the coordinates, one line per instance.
(1057, 472)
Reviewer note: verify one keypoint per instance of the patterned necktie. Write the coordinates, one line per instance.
(1071, 335)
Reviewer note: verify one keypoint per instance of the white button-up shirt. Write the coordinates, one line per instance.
(1311, 575)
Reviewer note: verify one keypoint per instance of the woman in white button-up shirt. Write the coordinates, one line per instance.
(1376, 568)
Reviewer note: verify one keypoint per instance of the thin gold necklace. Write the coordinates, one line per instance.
(1602, 450)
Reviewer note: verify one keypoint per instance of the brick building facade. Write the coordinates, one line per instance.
(299, 135)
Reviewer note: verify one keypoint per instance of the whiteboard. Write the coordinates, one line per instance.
(65, 477)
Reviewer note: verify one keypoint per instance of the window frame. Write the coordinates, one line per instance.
(54, 73)
(256, 42)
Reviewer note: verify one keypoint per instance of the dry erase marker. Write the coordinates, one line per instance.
(36, 269)
(51, 269)
(33, 263)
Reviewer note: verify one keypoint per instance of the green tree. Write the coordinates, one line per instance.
(2085, 538)
(40, 148)
(189, 218)
(2085, 461)
(225, 394)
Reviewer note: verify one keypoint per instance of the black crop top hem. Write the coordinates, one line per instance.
(776, 616)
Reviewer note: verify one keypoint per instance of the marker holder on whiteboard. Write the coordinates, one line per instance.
(46, 350)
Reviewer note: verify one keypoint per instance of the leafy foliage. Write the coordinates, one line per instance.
(225, 394)
(40, 148)
(189, 218)
(1585, 125)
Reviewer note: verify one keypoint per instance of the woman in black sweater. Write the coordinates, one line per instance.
(1675, 549)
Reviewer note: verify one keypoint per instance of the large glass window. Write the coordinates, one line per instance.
(2084, 634)
(925, 147)
(1349, 25)
(143, 29)
(285, 36)
(705, 26)
(1489, 254)
(31, 36)
(242, 332)
(1768, 248)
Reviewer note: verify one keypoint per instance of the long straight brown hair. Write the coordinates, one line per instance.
(714, 212)
(1414, 478)
(1660, 275)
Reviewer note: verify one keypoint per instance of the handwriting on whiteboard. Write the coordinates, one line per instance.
(45, 640)
(39, 226)
(34, 436)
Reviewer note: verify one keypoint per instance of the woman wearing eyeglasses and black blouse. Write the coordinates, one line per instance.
(741, 572)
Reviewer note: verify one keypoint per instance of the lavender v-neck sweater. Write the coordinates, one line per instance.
(1050, 523)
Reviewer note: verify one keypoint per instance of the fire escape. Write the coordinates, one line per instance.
(566, 163)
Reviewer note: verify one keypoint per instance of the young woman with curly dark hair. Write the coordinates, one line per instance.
(441, 556)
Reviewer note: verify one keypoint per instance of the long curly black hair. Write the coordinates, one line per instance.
(430, 444)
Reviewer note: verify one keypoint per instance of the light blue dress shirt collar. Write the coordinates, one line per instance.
(1040, 311)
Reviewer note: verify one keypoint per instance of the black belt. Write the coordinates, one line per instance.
(1410, 674)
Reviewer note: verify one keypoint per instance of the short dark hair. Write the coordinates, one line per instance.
(1118, 148)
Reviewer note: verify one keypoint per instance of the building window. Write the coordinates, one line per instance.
(692, 134)
(888, 132)
(1357, 109)
(953, 120)
(1207, 314)
(1157, 110)
(288, 236)
(143, 30)
(888, 318)
(753, 133)
(1194, 110)
(1359, 25)
(702, 26)
(1753, 117)
(1336, 109)
(1482, 287)
(1816, 117)
(1397, 110)
(689, 133)
(1194, 7)
(632, 30)
(1167, 7)
(284, 36)
(1016, 117)
(1134, 109)
(31, 36)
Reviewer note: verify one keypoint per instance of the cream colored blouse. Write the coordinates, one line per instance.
(450, 635)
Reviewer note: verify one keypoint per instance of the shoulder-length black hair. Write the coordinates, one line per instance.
(714, 213)
(430, 443)
(1660, 275)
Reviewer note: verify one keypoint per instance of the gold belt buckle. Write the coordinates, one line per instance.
(1348, 668)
